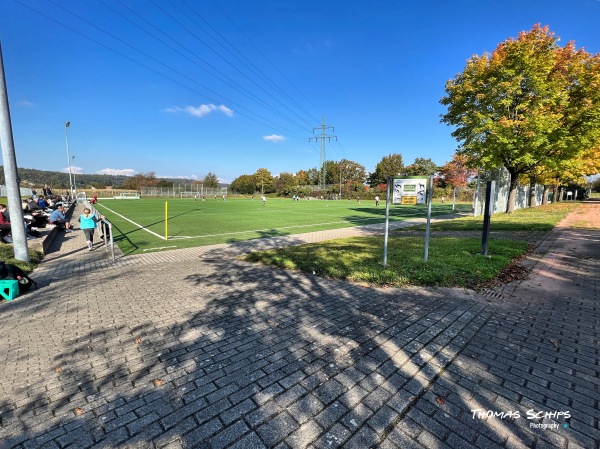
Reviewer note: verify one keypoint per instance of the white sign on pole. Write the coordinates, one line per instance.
(409, 191)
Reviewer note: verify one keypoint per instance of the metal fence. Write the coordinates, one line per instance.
(106, 228)
(183, 191)
(502, 178)
(25, 192)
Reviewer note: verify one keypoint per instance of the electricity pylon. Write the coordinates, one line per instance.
(323, 137)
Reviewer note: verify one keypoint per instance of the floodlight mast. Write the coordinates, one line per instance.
(67, 124)
(322, 138)
(13, 192)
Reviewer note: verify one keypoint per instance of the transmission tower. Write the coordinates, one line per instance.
(323, 137)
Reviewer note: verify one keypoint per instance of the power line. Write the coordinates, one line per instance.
(241, 89)
(266, 122)
(264, 56)
(224, 59)
(256, 70)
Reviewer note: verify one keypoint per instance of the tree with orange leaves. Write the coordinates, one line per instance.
(529, 103)
(457, 173)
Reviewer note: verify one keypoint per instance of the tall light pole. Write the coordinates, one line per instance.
(13, 194)
(74, 181)
(67, 124)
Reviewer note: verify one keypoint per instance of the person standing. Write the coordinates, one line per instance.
(376, 200)
(88, 224)
(264, 199)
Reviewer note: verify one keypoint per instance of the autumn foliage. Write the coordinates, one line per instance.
(529, 104)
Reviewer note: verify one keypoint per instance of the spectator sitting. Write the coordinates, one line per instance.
(5, 227)
(32, 205)
(42, 203)
(57, 217)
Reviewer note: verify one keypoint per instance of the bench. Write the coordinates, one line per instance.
(48, 234)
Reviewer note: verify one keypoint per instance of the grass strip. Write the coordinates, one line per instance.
(7, 255)
(539, 219)
(453, 262)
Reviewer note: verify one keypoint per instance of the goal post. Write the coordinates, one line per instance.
(128, 196)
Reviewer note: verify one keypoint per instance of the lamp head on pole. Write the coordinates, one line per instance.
(67, 124)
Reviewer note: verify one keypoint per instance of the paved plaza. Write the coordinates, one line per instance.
(195, 348)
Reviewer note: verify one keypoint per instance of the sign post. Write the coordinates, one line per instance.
(429, 201)
(411, 190)
(387, 220)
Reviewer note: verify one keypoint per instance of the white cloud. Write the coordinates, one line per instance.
(76, 170)
(26, 103)
(201, 111)
(194, 177)
(117, 172)
(274, 138)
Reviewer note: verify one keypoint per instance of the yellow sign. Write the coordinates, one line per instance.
(409, 199)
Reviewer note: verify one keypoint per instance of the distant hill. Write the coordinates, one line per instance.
(31, 177)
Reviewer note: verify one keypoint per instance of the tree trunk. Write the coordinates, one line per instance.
(512, 192)
(545, 195)
(531, 199)
(559, 193)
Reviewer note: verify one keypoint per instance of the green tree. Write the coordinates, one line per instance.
(390, 165)
(313, 176)
(352, 171)
(140, 180)
(421, 166)
(244, 184)
(332, 172)
(529, 103)
(302, 176)
(286, 183)
(263, 181)
(211, 180)
(164, 183)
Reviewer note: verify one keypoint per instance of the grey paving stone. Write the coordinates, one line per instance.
(250, 441)
(304, 435)
(228, 435)
(229, 341)
(277, 429)
(334, 438)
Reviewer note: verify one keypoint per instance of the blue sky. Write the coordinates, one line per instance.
(232, 86)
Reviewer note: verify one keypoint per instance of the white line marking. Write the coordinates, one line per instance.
(137, 224)
(182, 237)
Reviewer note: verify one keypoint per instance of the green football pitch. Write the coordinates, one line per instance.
(141, 226)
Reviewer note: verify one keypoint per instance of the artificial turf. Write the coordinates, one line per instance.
(141, 225)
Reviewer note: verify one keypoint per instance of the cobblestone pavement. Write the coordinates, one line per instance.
(196, 349)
